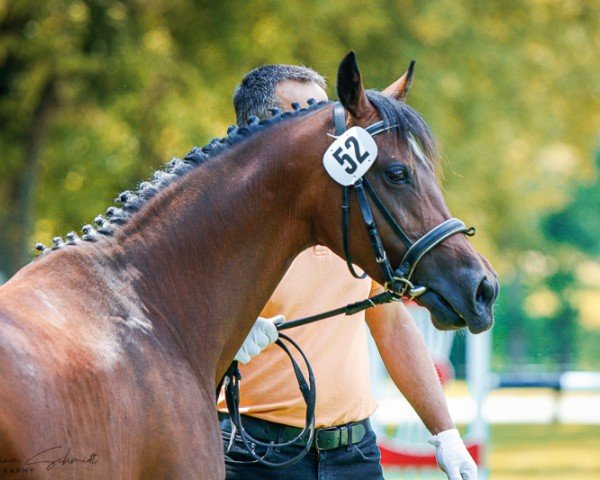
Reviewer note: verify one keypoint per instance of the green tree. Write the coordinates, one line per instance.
(88, 90)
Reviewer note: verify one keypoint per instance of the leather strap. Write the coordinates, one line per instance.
(351, 309)
(345, 230)
(386, 213)
(339, 121)
(428, 241)
(232, 398)
(339, 118)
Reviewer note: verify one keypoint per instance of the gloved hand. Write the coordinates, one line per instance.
(263, 333)
(452, 456)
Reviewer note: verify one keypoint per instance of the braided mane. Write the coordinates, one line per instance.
(395, 113)
(129, 202)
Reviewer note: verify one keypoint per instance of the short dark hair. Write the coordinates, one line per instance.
(255, 94)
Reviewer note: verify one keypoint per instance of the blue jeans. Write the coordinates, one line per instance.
(361, 460)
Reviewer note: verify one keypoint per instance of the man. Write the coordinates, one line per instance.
(317, 281)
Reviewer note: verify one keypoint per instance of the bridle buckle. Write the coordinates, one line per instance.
(408, 291)
(417, 291)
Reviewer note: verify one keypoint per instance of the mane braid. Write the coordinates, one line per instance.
(132, 201)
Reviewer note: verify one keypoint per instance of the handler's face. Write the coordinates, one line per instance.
(291, 91)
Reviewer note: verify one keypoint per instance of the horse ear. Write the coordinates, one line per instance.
(349, 87)
(399, 89)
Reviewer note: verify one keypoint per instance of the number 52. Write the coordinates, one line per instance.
(350, 157)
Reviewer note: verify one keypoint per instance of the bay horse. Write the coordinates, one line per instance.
(111, 345)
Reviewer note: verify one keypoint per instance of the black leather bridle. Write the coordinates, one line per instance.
(397, 281)
(397, 284)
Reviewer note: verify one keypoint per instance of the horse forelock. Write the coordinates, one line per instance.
(129, 202)
(408, 122)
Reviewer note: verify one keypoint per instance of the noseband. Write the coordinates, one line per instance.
(397, 281)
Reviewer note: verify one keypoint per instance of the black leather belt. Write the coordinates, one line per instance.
(325, 438)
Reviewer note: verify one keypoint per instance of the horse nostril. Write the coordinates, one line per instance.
(486, 292)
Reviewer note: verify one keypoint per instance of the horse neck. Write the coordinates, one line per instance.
(210, 250)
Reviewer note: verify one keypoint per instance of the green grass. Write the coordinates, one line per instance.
(540, 452)
(536, 452)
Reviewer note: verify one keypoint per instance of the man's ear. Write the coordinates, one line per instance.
(349, 87)
(399, 89)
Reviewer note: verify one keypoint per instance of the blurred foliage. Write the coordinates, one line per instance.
(95, 94)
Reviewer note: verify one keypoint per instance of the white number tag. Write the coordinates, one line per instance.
(350, 156)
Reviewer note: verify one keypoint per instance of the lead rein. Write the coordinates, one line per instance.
(350, 309)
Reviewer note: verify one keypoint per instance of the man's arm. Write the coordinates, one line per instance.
(409, 364)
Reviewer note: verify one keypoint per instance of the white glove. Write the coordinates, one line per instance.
(263, 333)
(452, 456)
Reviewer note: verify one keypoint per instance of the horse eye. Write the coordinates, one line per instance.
(397, 174)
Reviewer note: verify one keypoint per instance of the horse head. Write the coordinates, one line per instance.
(412, 244)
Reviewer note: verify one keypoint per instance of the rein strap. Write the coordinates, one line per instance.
(231, 384)
(350, 309)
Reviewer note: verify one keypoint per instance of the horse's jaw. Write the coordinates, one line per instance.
(457, 296)
(445, 316)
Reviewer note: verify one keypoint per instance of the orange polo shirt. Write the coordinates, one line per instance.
(318, 280)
